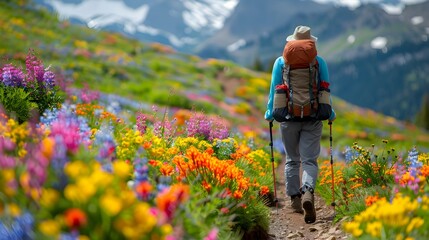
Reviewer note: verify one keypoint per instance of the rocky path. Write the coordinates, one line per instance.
(286, 224)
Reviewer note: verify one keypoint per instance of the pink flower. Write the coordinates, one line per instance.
(212, 234)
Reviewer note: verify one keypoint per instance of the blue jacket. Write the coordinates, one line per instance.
(277, 78)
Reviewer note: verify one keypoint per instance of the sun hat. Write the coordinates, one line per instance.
(301, 33)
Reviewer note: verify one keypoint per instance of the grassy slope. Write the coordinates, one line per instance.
(156, 74)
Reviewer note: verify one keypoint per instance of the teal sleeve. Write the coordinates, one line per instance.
(276, 79)
(324, 76)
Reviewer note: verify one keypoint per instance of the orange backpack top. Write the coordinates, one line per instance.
(297, 98)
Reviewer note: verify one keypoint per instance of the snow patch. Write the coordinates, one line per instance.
(207, 14)
(351, 39)
(236, 45)
(392, 9)
(99, 13)
(379, 43)
(417, 20)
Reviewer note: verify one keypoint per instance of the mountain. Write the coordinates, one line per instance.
(254, 30)
(181, 24)
(377, 60)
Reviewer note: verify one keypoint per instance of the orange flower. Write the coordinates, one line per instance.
(207, 186)
(166, 169)
(143, 189)
(75, 218)
(237, 194)
(147, 145)
(264, 190)
(154, 162)
(170, 199)
(48, 146)
(371, 200)
(425, 171)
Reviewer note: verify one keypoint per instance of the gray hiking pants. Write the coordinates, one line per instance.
(301, 141)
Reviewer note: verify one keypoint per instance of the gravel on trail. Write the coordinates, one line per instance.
(285, 224)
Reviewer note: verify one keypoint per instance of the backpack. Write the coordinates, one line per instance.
(302, 95)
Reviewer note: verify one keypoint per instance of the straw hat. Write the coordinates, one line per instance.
(301, 33)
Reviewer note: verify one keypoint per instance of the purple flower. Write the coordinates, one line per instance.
(49, 79)
(208, 128)
(12, 76)
(88, 95)
(198, 125)
(35, 69)
(141, 122)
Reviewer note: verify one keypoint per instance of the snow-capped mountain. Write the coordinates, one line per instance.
(174, 22)
(184, 24)
(380, 45)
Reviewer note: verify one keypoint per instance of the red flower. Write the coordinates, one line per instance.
(369, 180)
(75, 218)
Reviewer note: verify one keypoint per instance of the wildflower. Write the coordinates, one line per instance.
(75, 218)
(166, 169)
(414, 224)
(50, 228)
(237, 194)
(49, 197)
(143, 190)
(121, 169)
(353, 228)
(49, 79)
(212, 234)
(111, 204)
(374, 228)
(264, 190)
(48, 146)
(12, 76)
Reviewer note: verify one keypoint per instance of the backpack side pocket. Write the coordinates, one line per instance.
(324, 109)
(281, 99)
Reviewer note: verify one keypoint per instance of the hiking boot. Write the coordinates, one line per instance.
(308, 205)
(296, 203)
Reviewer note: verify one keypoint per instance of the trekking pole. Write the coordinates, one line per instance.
(332, 166)
(272, 163)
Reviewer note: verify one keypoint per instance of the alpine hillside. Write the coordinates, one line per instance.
(376, 49)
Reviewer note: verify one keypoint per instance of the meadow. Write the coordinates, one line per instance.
(106, 137)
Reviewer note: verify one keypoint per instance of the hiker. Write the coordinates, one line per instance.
(300, 123)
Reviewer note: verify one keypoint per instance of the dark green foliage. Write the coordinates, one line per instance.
(45, 99)
(16, 102)
(422, 118)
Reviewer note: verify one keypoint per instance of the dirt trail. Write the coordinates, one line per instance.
(285, 224)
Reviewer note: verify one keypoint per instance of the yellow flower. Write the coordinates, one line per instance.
(121, 169)
(139, 140)
(73, 193)
(87, 188)
(414, 224)
(166, 229)
(111, 204)
(50, 228)
(75, 169)
(144, 219)
(22, 152)
(353, 228)
(374, 228)
(101, 179)
(49, 197)
(14, 209)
